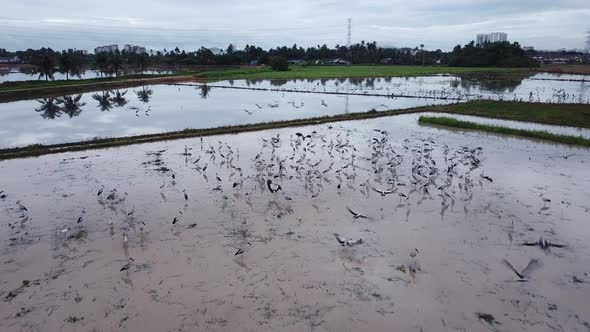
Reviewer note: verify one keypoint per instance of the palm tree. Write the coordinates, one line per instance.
(118, 99)
(144, 95)
(101, 63)
(70, 63)
(71, 105)
(115, 62)
(49, 108)
(141, 62)
(45, 66)
(104, 102)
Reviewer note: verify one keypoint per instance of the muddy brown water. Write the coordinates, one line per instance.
(431, 262)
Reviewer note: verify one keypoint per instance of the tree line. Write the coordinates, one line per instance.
(72, 63)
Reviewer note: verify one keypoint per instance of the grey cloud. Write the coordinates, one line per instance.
(191, 24)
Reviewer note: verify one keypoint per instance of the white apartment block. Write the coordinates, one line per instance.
(134, 49)
(106, 48)
(494, 37)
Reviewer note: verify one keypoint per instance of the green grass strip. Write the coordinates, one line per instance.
(355, 71)
(537, 134)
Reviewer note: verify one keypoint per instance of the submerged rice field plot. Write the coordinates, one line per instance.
(545, 88)
(359, 225)
(165, 108)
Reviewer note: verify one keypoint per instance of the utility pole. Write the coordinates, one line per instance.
(422, 47)
(348, 43)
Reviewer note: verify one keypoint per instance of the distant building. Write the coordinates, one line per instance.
(107, 48)
(528, 48)
(296, 62)
(494, 37)
(83, 52)
(8, 59)
(134, 49)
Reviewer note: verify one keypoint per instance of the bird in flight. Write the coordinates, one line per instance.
(128, 265)
(543, 244)
(347, 242)
(356, 215)
(272, 187)
(525, 274)
(384, 192)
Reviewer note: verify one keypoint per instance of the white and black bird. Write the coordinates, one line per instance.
(543, 244)
(525, 274)
(249, 113)
(21, 206)
(272, 187)
(112, 195)
(81, 217)
(384, 192)
(347, 242)
(128, 265)
(356, 215)
(100, 191)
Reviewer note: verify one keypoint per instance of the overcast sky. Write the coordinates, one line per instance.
(189, 24)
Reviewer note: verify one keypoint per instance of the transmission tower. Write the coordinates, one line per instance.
(348, 42)
(588, 41)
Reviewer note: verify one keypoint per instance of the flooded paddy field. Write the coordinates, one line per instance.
(545, 88)
(440, 231)
(165, 108)
(17, 74)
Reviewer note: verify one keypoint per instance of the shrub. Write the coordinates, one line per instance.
(279, 63)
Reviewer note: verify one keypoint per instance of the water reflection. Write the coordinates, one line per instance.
(104, 101)
(205, 89)
(277, 82)
(49, 108)
(118, 99)
(144, 95)
(493, 83)
(71, 105)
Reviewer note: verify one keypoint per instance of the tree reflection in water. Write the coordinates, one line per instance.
(49, 108)
(104, 101)
(205, 91)
(119, 99)
(71, 105)
(144, 95)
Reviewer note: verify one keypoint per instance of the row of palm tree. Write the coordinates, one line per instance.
(47, 64)
(52, 108)
(71, 63)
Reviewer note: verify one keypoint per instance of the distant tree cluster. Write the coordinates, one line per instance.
(72, 63)
(502, 54)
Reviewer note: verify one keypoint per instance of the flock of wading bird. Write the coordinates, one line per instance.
(316, 163)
